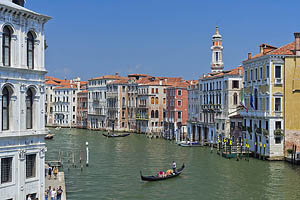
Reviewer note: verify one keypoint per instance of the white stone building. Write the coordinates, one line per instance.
(65, 103)
(97, 101)
(219, 100)
(22, 98)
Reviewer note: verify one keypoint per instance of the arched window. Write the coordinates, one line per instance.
(156, 114)
(152, 114)
(235, 99)
(156, 100)
(29, 105)
(5, 108)
(6, 46)
(30, 50)
(152, 100)
(123, 102)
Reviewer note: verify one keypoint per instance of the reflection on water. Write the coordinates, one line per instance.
(115, 164)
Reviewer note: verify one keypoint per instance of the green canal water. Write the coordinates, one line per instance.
(115, 165)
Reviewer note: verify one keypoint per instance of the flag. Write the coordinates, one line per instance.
(243, 100)
(251, 102)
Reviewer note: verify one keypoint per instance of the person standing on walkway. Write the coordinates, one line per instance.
(55, 172)
(49, 191)
(59, 193)
(53, 194)
(46, 194)
(174, 166)
(49, 172)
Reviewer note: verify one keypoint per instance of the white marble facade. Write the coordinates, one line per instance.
(22, 101)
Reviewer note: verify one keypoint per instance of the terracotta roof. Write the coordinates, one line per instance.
(84, 91)
(67, 86)
(234, 71)
(51, 82)
(106, 77)
(122, 80)
(287, 49)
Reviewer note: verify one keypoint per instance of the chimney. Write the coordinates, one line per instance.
(249, 56)
(297, 43)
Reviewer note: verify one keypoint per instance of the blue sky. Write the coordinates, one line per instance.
(158, 37)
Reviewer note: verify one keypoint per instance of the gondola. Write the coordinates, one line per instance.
(156, 178)
(115, 135)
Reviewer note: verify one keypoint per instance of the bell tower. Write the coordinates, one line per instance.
(217, 64)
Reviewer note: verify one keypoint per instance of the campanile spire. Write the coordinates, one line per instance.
(217, 64)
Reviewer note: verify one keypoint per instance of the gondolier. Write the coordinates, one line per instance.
(174, 166)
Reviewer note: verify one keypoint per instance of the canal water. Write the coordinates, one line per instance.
(115, 164)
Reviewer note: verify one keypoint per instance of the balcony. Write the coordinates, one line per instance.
(278, 132)
(138, 117)
(110, 95)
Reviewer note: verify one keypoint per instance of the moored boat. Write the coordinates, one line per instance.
(190, 144)
(115, 135)
(49, 136)
(160, 178)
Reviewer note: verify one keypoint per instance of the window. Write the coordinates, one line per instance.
(217, 56)
(277, 140)
(277, 71)
(30, 165)
(73, 108)
(152, 100)
(179, 102)
(164, 90)
(245, 76)
(156, 100)
(73, 99)
(261, 73)
(179, 92)
(256, 74)
(267, 125)
(235, 84)
(179, 114)
(6, 46)
(223, 126)
(6, 170)
(267, 71)
(30, 50)
(152, 90)
(156, 114)
(278, 104)
(235, 99)
(123, 88)
(29, 106)
(164, 100)
(251, 75)
(152, 113)
(278, 125)
(156, 90)
(5, 108)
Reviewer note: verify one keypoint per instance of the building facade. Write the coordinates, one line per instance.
(82, 109)
(177, 110)
(264, 96)
(211, 116)
(97, 101)
(22, 97)
(121, 101)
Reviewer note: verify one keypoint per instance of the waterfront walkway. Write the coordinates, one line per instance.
(55, 183)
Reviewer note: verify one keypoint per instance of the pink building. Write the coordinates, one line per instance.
(177, 110)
